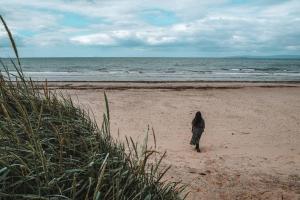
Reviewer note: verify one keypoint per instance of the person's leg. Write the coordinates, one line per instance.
(197, 147)
(198, 141)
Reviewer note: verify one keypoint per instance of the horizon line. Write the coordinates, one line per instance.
(244, 56)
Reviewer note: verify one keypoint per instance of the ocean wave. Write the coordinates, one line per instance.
(98, 69)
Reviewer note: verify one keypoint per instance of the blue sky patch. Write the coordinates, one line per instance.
(159, 17)
(75, 20)
(26, 33)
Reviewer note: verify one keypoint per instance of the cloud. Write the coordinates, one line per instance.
(136, 38)
(217, 27)
(94, 39)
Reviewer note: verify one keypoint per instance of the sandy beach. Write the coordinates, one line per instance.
(250, 147)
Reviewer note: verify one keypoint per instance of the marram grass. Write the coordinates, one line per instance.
(52, 149)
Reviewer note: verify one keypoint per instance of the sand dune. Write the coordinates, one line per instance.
(250, 148)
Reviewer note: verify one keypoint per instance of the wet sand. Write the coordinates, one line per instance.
(250, 147)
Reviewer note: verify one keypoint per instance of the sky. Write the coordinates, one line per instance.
(158, 28)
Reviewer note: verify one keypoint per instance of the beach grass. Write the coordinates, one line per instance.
(52, 149)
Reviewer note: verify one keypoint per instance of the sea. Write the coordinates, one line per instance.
(159, 69)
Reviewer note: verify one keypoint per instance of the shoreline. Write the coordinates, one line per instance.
(168, 85)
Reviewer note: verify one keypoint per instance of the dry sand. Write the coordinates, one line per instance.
(250, 147)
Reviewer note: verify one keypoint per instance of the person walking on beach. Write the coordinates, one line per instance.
(198, 126)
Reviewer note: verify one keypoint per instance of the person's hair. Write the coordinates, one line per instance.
(198, 119)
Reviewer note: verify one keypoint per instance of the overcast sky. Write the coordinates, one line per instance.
(152, 28)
